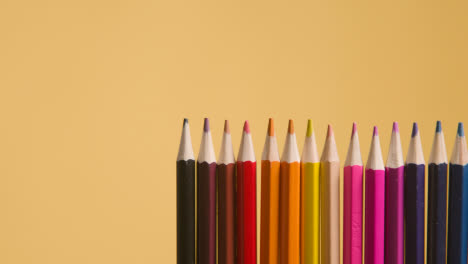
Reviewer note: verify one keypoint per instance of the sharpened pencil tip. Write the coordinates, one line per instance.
(354, 128)
(376, 131)
(185, 121)
(206, 126)
(438, 127)
(395, 127)
(291, 127)
(330, 131)
(460, 130)
(415, 129)
(271, 127)
(226, 127)
(246, 127)
(309, 128)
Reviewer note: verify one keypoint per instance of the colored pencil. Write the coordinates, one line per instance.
(330, 201)
(290, 188)
(352, 202)
(458, 201)
(375, 204)
(226, 199)
(310, 199)
(246, 200)
(394, 201)
(269, 198)
(206, 199)
(437, 200)
(415, 169)
(185, 199)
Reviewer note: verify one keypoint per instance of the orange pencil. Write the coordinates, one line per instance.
(290, 194)
(269, 198)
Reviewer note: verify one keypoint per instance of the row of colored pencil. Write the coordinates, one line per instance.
(300, 201)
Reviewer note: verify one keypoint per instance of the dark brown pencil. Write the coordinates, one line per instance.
(226, 198)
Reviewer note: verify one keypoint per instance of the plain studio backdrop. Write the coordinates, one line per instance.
(93, 94)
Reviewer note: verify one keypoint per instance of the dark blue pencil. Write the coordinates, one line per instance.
(414, 200)
(437, 200)
(458, 201)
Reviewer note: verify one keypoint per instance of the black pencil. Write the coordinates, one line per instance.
(185, 199)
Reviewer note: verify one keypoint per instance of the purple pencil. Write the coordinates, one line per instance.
(375, 204)
(394, 201)
(206, 203)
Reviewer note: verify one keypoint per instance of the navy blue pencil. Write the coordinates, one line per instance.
(414, 200)
(458, 201)
(437, 200)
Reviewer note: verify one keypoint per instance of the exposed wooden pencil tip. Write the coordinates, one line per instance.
(376, 131)
(271, 127)
(226, 127)
(438, 127)
(291, 127)
(330, 131)
(206, 126)
(354, 128)
(246, 127)
(309, 128)
(395, 127)
(460, 130)
(415, 129)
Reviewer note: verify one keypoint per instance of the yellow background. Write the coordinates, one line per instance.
(93, 93)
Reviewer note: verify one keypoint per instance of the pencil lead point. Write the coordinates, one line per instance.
(310, 128)
(460, 130)
(415, 129)
(330, 131)
(206, 126)
(376, 131)
(185, 121)
(291, 127)
(354, 128)
(438, 127)
(246, 126)
(395, 127)
(271, 127)
(226, 126)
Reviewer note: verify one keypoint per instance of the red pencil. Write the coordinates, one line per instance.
(246, 200)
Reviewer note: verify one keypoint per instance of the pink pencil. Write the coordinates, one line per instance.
(352, 210)
(375, 204)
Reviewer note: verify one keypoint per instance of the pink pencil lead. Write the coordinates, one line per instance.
(246, 127)
(395, 127)
(376, 131)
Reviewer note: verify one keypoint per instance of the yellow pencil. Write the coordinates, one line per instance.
(310, 199)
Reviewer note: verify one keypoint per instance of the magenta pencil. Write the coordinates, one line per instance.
(352, 209)
(394, 201)
(375, 204)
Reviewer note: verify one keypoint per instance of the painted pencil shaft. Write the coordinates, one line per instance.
(394, 215)
(352, 215)
(414, 213)
(375, 214)
(310, 200)
(310, 213)
(206, 213)
(269, 212)
(458, 214)
(289, 212)
(437, 213)
(246, 212)
(226, 213)
(186, 211)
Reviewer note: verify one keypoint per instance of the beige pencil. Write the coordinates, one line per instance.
(330, 201)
